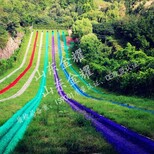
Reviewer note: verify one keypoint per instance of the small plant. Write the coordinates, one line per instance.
(81, 121)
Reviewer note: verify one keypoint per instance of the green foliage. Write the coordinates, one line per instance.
(94, 15)
(3, 37)
(82, 27)
(67, 21)
(113, 11)
(103, 30)
(26, 13)
(51, 25)
(90, 46)
(86, 7)
(137, 80)
(124, 40)
(8, 63)
(137, 31)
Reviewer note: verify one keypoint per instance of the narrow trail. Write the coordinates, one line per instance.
(123, 139)
(12, 84)
(28, 82)
(23, 62)
(13, 130)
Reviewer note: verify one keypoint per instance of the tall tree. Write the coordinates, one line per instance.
(82, 27)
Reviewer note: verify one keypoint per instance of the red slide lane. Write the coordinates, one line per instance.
(24, 72)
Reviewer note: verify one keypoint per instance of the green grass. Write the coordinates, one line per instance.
(144, 103)
(7, 108)
(139, 121)
(61, 130)
(20, 55)
(57, 130)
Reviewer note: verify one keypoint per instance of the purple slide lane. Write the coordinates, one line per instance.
(123, 139)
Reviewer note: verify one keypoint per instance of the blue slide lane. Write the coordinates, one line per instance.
(123, 139)
(79, 76)
(72, 83)
(79, 90)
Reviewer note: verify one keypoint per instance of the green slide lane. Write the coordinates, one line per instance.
(75, 72)
(13, 130)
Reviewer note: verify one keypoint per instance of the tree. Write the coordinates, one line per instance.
(82, 27)
(126, 53)
(94, 15)
(13, 23)
(91, 47)
(86, 7)
(3, 37)
(103, 30)
(67, 21)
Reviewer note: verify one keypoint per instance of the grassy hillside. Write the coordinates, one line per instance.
(110, 56)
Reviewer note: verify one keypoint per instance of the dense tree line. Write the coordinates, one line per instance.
(17, 14)
(119, 49)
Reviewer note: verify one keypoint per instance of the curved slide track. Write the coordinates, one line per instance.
(74, 85)
(12, 84)
(23, 62)
(13, 130)
(28, 82)
(123, 139)
(75, 72)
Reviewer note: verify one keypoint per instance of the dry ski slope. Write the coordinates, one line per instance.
(124, 140)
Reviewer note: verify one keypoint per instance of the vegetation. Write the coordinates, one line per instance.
(126, 35)
(117, 42)
(57, 128)
(125, 40)
(3, 36)
(82, 27)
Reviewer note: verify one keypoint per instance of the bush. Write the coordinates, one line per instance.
(3, 37)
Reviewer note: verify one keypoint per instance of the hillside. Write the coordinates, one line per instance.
(76, 77)
(115, 25)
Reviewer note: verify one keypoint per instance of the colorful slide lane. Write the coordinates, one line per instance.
(72, 83)
(23, 62)
(75, 72)
(28, 82)
(123, 139)
(12, 131)
(12, 84)
(78, 89)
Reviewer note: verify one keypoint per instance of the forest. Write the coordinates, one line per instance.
(116, 37)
